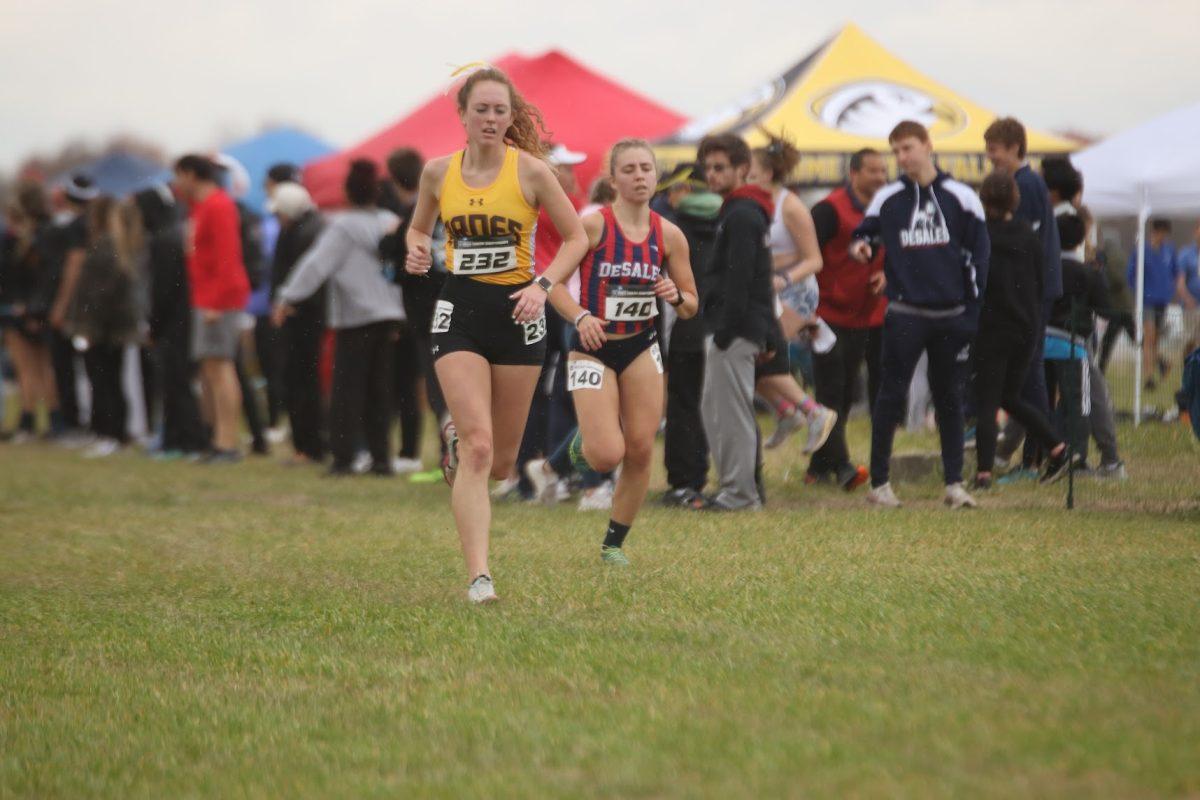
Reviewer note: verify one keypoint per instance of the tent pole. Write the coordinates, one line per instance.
(1138, 311)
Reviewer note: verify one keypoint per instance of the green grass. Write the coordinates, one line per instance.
(173, 630)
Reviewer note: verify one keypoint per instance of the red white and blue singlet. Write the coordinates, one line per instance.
(617, 277)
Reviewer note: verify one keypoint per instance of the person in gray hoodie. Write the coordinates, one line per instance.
(364, 309)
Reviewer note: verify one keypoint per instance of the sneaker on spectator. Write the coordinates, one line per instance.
(597, 499)
(1112, 470)
(506, 489)
(102, 448)
(785, 427)
(883, 496)
(404, 466)
(956, 496)
(820, 425)
(361, 462)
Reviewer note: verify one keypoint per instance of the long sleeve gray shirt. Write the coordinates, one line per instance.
(347, 255)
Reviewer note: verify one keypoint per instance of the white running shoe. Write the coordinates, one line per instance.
(883, 496)
(102, 448)
(562, 491)
(403, 466)
(598, 499)
(482, 590)
(784, 428)
(544, 480)
(820, 425)
(504, 488)
(277, 435)
(957, 497)
(362, 462)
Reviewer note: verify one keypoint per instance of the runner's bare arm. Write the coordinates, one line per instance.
(591, 328)
(548, 193)
(678, 282)
(419, 238)
(560, 298)
(807, 258)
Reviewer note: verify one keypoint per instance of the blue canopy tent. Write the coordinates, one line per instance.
(119, 174)
(260, 153)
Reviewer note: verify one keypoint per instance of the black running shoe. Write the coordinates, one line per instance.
(1056, 466)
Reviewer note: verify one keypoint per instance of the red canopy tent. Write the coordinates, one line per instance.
(583, 110)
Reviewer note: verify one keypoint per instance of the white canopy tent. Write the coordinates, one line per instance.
(1151, 169)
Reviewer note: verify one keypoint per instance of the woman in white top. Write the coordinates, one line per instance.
(797, 258)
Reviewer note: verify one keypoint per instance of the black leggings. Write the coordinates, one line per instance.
(109, 408)
(360, 408)
(1001, 364)
(1116, 324)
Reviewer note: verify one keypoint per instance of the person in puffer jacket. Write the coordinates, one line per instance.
(936, 249)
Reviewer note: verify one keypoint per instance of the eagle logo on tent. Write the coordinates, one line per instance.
(872, 108)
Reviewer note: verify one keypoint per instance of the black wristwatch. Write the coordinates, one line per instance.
(679, 294)
(545, 283)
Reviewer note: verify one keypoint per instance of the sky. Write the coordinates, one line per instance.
(190, 74)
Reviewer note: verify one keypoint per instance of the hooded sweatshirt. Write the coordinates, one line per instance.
(347, 254)
(935, 245)
(738, 298)
(1012, 302)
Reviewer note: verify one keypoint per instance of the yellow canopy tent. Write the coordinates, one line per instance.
(846, 95)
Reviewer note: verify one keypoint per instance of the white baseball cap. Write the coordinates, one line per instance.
(290, 200)
(561, 156)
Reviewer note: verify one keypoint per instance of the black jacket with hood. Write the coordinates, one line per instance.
(738, 300)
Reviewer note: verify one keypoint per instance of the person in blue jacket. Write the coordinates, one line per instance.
(936, 249)
(1006, 145)
(1162, 282)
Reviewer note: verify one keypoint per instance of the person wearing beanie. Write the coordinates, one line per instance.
(299, 226)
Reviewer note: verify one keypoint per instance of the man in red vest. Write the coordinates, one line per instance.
(852, 304)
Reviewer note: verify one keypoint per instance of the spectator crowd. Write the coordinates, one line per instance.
(992, 299)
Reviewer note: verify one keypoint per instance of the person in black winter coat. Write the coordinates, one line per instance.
(303, 331)
(170, 321)
(690, 205)
(1008, 328)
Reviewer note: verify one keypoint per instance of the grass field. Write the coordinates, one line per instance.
(174, 630)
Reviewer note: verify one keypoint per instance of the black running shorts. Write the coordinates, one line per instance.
(618, 354)
(475, 317)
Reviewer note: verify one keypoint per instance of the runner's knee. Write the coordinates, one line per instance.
(638, 454)
(603, 456)
(475, 451)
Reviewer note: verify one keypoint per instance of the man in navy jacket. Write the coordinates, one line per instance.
(936, 253)
(1005, 142)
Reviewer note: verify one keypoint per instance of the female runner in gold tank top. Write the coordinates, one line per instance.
(490, 321)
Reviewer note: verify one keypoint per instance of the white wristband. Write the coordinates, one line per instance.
(579, 317)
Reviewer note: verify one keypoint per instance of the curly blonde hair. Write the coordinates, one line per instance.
(527, 119)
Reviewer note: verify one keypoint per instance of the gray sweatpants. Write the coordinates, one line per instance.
(1103, 425)
(728, 410)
